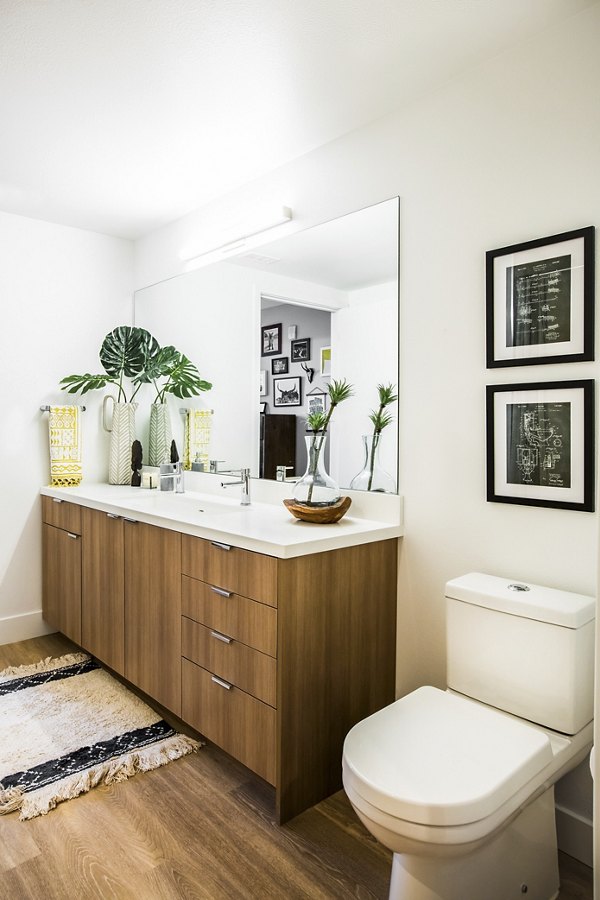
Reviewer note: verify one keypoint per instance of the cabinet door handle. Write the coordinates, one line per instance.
(220, 546)
(131, 521)
(221, 683)
(114, 516)
(57, 500)
(221, 637)
(220, 591)
(71, 535)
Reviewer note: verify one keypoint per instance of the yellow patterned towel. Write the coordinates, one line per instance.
(65, 446)
(197, 437)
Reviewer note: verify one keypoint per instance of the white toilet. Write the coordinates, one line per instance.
(459, 783)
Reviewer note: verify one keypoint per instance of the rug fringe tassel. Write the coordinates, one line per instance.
(11, 799)
(40, 802)
(45, 665)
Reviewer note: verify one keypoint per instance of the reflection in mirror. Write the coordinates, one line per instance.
(271, 328)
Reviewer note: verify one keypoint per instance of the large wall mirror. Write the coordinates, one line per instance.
(271, 327)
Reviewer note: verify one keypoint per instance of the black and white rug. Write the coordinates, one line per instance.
(66, 725)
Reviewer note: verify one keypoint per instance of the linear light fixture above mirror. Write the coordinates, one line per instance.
(232, 239)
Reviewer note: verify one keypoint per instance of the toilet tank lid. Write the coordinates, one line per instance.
(530, 601)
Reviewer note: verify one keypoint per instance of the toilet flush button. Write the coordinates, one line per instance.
(519, 587)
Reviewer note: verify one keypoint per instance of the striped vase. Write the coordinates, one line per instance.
(121, 427)
(161, 435)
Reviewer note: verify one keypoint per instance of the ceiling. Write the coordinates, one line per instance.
(122, 115)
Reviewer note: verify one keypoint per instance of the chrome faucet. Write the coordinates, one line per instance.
(244, 481)
(170, 477)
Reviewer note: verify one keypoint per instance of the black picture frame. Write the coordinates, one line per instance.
(270, 340)
(300, 350)
(263, 407)
(540, 301)
(287, 391)
(540, 444)
(280, 365)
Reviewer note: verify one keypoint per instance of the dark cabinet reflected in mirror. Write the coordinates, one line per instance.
(272, 327)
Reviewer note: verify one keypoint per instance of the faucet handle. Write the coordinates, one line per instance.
(213, 465)
(280, 472)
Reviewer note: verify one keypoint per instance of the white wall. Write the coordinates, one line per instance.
(62, 290)
(505, 153)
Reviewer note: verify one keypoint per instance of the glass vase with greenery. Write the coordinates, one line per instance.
(372, 477)
(315, 480)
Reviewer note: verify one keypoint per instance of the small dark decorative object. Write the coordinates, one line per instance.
(136, 464)
(174, 453)
(310, 373)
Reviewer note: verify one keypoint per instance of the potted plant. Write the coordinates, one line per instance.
(125, 353)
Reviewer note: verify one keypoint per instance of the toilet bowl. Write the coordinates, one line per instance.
(461, 791)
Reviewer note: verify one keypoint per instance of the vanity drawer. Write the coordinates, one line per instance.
(61, 514)
(232, 719)
(241, 571)
(238, 617)
(253, 672)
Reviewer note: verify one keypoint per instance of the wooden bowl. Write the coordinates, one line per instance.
(319, 515)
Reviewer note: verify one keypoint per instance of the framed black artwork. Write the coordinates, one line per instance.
(270, 340)
(300, 350)
(540, 301)
(540, 444)
(279, 366)
(287, 391)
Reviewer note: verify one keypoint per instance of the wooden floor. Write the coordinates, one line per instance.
(200, 827)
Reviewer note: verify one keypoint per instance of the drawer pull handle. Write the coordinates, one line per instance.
(131, 521)
(220, 591)
(220, 546)
(221, 683)
(221, 637)
(57, 500)
(71, 535)
(113, 516)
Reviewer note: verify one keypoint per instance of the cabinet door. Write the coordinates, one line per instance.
(61, 585)
(103, 597)
(153, 612)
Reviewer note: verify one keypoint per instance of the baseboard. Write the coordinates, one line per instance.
(23, 627)
(575, 835)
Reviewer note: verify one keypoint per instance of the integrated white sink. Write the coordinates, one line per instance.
(188, 504)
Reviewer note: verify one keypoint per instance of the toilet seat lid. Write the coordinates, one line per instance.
(438, 759)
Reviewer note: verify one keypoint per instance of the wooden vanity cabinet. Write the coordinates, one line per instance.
(61, 566)
(322, 626)
(103, 592)
(274, 660)
(153, 611)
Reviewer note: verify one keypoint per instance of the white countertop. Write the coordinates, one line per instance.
(263, 527)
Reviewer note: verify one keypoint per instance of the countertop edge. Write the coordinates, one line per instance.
(349, 532)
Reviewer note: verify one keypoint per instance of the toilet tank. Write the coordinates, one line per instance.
(523, 648)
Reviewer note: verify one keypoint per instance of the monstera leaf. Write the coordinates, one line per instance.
(127, 350)
(75, 384)
(183, 378)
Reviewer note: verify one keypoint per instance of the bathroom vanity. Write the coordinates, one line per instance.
(271, 637)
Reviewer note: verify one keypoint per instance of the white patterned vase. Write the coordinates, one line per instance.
(122, 436)
(161, 435)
